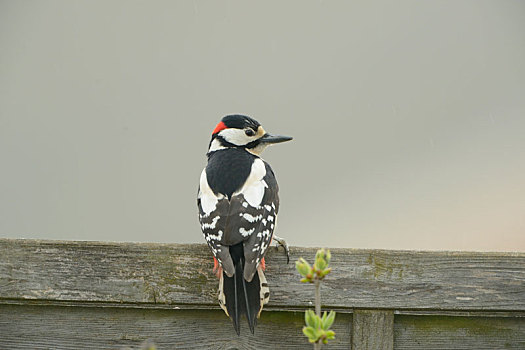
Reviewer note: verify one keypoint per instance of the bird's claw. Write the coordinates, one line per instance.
(281, 242)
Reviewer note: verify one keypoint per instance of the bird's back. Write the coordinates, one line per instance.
(228, 169)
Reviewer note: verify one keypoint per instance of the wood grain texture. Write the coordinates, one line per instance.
(458, 333)
(61, 328)
(173, 274)
(373, 330)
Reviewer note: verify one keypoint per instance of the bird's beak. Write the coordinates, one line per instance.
(270, 139)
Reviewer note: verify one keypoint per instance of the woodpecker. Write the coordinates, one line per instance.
(238, 204)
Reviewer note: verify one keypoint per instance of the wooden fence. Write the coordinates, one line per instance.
(91, 295)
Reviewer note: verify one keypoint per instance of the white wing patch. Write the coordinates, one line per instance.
(216, 237)
(253, 189)
(251, 218)
(246, 233)
(208, 198)
(211, 224)
(266, 234)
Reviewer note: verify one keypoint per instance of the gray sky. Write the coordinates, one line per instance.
(408, 117)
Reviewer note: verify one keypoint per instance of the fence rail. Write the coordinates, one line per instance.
(94, 295)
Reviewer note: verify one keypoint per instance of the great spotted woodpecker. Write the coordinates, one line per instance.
(238, 203)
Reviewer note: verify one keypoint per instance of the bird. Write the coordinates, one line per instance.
(238, 203)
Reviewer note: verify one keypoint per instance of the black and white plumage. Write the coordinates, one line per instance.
(238, 204)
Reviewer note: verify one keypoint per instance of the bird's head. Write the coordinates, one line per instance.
(239, 131)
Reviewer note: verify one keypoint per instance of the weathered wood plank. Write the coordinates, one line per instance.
(61, 328)
(473, 313)
(181, 274)
(460, 333)
(373, 330)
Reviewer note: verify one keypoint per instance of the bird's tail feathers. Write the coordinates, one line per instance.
(239, 297)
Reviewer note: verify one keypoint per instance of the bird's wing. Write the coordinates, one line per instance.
(263, 224)
(214, 210)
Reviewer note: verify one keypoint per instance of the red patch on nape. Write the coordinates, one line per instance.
(263, 264)
(219, 127)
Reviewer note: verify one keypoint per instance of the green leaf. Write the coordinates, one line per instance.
(319, 333)
(327, 271)
(319, 254)
(330, 334)
(316, 321)
(328, 256)
(310, 333)
(320, 264)
(309, 318)
(303, 267)
(329, 320)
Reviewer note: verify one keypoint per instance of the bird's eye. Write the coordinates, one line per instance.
(249, 132)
